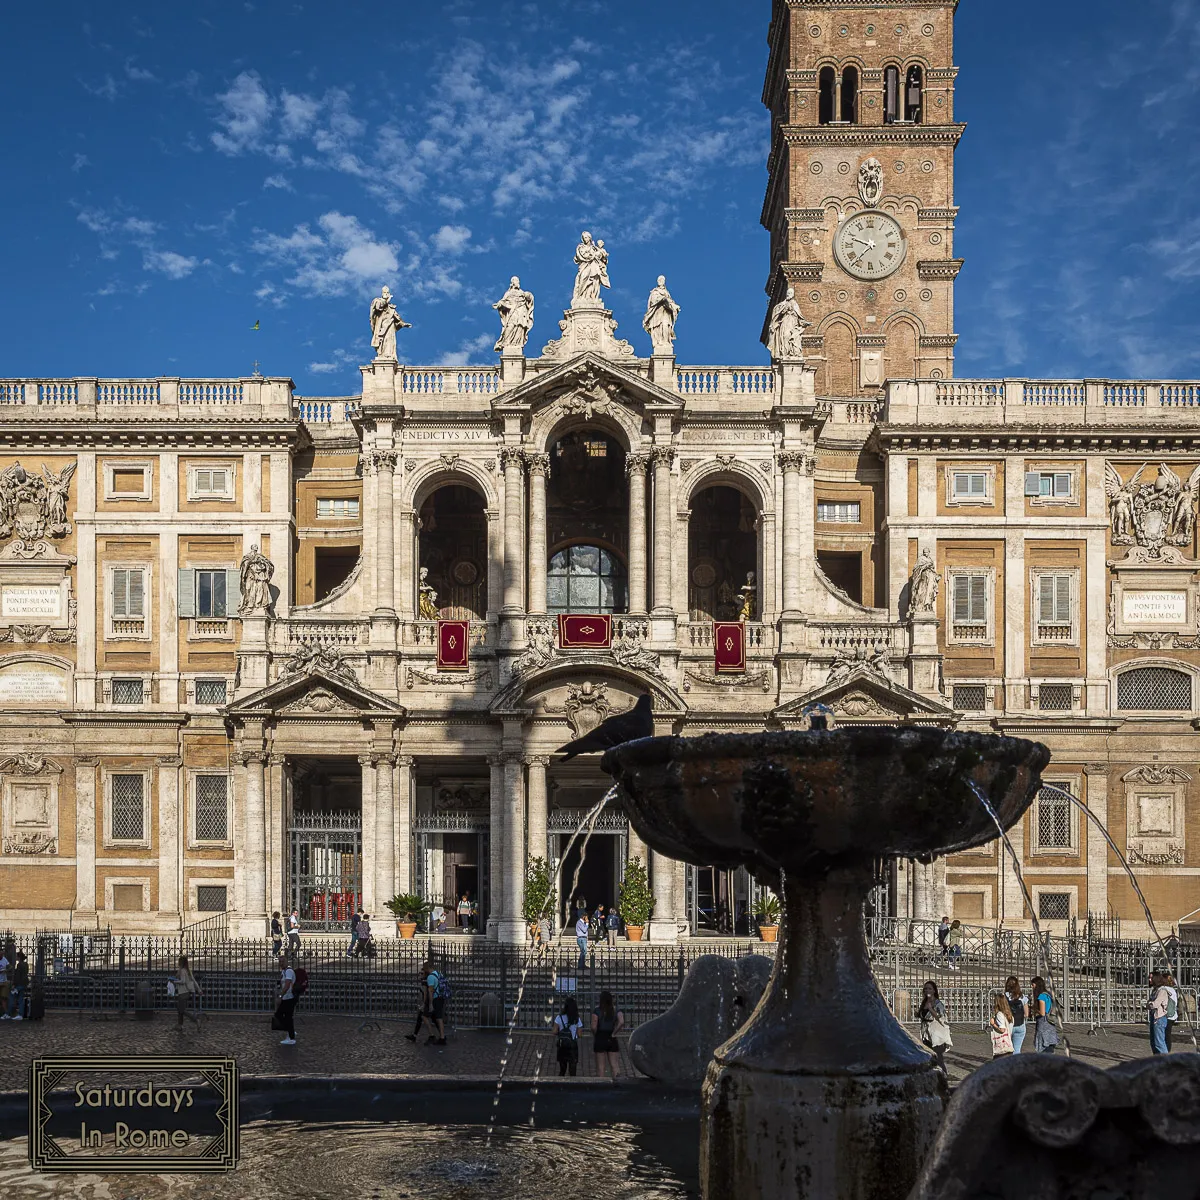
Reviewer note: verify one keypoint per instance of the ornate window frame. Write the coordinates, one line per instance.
(194, 841)
(107, 839)
(1163, 714)
(147, 617)
(1044, 634)
(195, 882)
(987, 470)
(1037, 890)
(1167, 784)
(229, 466)
(145, 465)
(971, 635)
(1073, 500)
(1072, 783)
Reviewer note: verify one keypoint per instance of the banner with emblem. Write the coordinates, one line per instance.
(587, 632)
(729, 646)
(453, 645)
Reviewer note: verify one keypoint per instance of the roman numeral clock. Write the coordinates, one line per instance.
(870, 245)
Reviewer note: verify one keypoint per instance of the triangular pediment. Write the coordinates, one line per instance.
(586, 381)
(865, 697)
(315, 693)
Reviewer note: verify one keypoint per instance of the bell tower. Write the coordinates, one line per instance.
(860, 195)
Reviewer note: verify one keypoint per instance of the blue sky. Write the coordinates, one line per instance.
(173, 173)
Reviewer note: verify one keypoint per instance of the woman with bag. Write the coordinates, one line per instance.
(1018, 1005)
(566, 1029)
(1001, 1027)
(935, 1029)
(184, 987)
(607, 1022)
(1045, 1036)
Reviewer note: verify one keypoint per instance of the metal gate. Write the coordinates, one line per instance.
(325, 868)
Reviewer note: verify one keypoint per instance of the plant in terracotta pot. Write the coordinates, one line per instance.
(407, 909)
(634, 901)
(766, 912)
(539, 897)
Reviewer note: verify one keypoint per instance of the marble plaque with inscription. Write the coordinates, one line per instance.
(26, 602)
(29, 687)
(1154, 608)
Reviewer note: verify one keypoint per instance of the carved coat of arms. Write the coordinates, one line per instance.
(1153, 517)
(34, 507)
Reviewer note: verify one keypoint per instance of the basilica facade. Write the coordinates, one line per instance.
(261, 651)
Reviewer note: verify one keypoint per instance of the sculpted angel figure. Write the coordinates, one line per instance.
(385, 321)
(516, 317)
(1120, 502)
(57, 487)
(428, 598)
(1183, 513)
(257, 570)
(592, 260)
(787, 328)
(923, 584)
(661, 314)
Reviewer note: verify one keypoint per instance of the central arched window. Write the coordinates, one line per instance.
(585, 579)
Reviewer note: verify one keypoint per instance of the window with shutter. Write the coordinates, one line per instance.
(129, 593)
(210, 594)
(1055, 621)
(969, 486)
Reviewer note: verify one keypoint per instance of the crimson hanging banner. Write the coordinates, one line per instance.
(729, 646)
(584, 633)
(454, 645)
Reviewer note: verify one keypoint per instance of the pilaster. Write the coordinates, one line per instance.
(664, 925)
(1097, 848)
(662, 458)
(538, 804)
(385, 840)
(635, 469)
(370, 829)
(539, 468)
(172, 835)
(403, 793)
(85, 836)
(496, 807)
(512, 925)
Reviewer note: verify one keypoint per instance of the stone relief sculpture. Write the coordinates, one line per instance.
(787, 328)
(923, 585)
(661, 314)
(257, 570)
(870, 182)
(630, 650)
(586, 706)
(385, 321)
(875, 661)
(1152, 517)
(427, 603)
(33, 508)
(539, 648)
(516, 318)
(312, 657)
(592, 260)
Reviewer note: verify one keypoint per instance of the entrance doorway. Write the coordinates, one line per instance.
(324, 868)
(599, 877)
(720, 901)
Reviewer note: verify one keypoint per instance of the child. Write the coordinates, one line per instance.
(1001, 1027)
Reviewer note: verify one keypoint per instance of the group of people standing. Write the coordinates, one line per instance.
(603, 925)
(607, 1022)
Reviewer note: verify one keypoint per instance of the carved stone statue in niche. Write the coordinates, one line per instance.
(749, 594)
(428, 598)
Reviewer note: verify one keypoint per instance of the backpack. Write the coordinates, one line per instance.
(614, 922)
(566, 1039)
(443, 991)
(1018, 1010)
(301, 984)
(354, 922)
(1172, 1006)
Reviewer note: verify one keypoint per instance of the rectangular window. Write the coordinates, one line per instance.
(128, 691)
(210, 898)
(212, 809)
(1054, 600)
(839, 512)
(128, 812)
(1054, 825)
(1049, 485)
(210, 594)
(338, 508)
(1054, 906)
(1056, 697)
(129, 481)
(970, 600)
(970, 697)
(970, 485)
(211, 691)
(129, 593)
(212, 481)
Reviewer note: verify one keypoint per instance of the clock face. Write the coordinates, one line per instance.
(870, 245)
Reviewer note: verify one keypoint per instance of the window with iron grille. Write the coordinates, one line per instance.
(128, 691)
(212, 808)
(1055, 829)
(1054, 906)
(210, 898)
(1056, 697)
(211, 691)
(839, 512)
(970, 697)
(1154, 689)
(128, 813)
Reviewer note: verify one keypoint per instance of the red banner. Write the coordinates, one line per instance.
(584, 633)
(729, 646)
(454, 645)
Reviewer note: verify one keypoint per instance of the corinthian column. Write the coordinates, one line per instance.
(539, 467)
(512, 925)
(403, 834)
(495, 845)
(792, 464)
(662, 456)
(538, 807)
(635, 468)
(385, 837)
(511, 459)
(663, 925)
(254, 865)
(383, 462)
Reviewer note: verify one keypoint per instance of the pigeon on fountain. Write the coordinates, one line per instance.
(637, 722)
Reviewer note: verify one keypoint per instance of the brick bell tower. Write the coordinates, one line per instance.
(860, 197)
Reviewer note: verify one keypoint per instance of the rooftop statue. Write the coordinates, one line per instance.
(787, 328)
(592, 260)
(385, 321)
(661, 314)
(516, 318)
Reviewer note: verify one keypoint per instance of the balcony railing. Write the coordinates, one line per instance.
(698, 635)
(169, 393)
(725, 381)
(331, 632)
(451, 381)
(325, 412)
(424, 633)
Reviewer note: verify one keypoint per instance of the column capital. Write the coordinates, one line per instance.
(1095, 768)
(277, 760)
(170, 760)
(386, 760)
(245, 757)
(87, 760)
(495, 760)
(663, 456)
(511, 456)
(537, 760)
(792, 460)
(510, 757)
(407, 761)
(382, 461)
(538, 464)
(639, 460)
(367, 760)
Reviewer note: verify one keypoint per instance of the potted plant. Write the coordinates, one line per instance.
(766, 912)
(634, 901)
(539, 895)
(407, 908)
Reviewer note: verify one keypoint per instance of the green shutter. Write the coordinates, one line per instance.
(979, 599)
(1063, 599)
(186, 597)
(120, 597)
(233, 591)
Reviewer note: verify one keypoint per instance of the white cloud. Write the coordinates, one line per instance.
(81, 161)
(108, 90)
(170, 264)
(452, 239)
(299, 113)
(247, 109)
(345, 256)
(139, 74)
(278, 181)
(471, 348)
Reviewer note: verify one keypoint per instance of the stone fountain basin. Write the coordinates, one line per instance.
(807, 803)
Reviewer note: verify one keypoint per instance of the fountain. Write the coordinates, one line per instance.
(822, 1094)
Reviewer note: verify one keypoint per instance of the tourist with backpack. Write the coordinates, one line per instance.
(1001, 1027)
(285, 1012)
(1045, 1036)
(355, 918)
(607, 1022)
(424, 1002)
(1172, 1006)
(612, 924)
(1018, 1005)
(1158, 1005)
(439, 991)
(566, 1035)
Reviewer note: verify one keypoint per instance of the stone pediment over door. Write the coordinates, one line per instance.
(313, 695)
(864, 698)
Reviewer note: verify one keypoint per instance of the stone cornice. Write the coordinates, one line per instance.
(142, 720)
(1060, 439)
(810, 272)
(952, 5)
(947, 268)
(871, 135)
(149, 435)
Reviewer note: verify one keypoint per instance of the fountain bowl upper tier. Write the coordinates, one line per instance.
(812, 802)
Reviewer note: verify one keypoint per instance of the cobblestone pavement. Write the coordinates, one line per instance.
(354, 1046)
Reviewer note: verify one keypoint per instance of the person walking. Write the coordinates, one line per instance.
(365, 947)
(355, 918)
(612, 925)
(607, 1022)
(186, 986)
(1001, 1027)
(1172, 1006)
(1045, 1036)
(581, 938)
(294, 933)
(935, 1029)
(1158, 1005)
(276, 934)
(285, 1012)
(943, 932)
(20, 983)
(464, 914)
(1018, 1005)
(954, 943)
(566, 1029)
(424, 1002)
(4, 981)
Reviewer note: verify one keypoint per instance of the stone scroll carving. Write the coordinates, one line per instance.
(586, 706)
(1153, 518)
(34, 507)
(540, 649)
(1036, 1125)
(31, 804)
